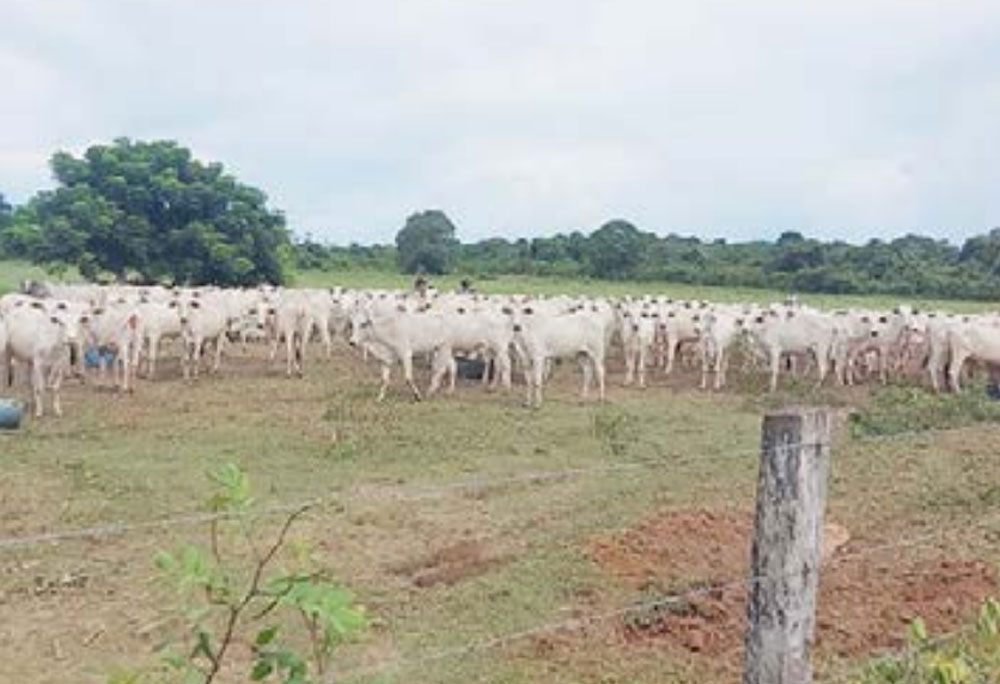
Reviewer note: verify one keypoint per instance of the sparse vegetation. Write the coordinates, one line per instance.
(971, 656)
(225, 593)
(896, 409)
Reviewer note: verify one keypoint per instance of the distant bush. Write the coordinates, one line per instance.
(896, 409)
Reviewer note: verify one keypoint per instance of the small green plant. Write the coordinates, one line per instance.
(229, 598)
(972, 657)
(616, 429)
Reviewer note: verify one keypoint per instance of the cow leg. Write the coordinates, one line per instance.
(721, 366)
(775, 367)
(706, 362)
(671, 353)
(408, 375)
(386, 377)
(955, 372)
(599, 372)
(220, 345)
(641, 362)
(196, 358)
(588, 373)
(452, 369)
(439, 366)
(154, 348)
(503, 369)
(55, 386)
(37, 387)
(629, 366)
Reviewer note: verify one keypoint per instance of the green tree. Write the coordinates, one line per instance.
(614, 250)
(151, 209)
(6, 212)
(426, 243)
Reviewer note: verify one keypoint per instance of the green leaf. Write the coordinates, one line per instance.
(266, 636)
(261, 670)
(164, 561)
(918, 631)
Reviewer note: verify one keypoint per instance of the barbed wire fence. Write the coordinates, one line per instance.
(117, 529)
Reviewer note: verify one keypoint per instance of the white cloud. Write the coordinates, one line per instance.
(856, 119)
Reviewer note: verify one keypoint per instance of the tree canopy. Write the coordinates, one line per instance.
(426, 243)
(151, 210)
(614, 250)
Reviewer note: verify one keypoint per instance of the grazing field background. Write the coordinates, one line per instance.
(467, 519)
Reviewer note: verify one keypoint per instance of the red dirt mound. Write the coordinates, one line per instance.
(865, 601)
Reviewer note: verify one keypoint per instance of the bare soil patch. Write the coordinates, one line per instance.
(448, 565)
(865, 601)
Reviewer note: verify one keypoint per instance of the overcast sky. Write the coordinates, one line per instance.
(850, 118)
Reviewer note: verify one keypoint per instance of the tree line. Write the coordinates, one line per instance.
(150, 212)
(907, 266)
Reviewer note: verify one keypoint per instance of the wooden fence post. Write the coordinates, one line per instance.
(784, 567)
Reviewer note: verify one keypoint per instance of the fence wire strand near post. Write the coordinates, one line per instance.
(407, 492)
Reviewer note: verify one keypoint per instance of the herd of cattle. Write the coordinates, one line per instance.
(49, 330)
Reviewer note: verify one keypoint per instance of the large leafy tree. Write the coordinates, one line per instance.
(614, 250)
(426, 243)
(151, 209)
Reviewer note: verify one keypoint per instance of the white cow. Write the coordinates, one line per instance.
(395, 337)
(202, 321)
(972, 337)
(638, 325)
(719, 330)
(40, 340)
(542, 338)
(118, 328)
(797, 331)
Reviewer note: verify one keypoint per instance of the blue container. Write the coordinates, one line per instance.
(11, 413)
(95, 358)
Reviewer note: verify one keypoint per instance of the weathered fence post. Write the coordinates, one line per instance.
(784, 565)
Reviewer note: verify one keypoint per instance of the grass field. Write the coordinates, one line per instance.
(657, 500)
(463, 519)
